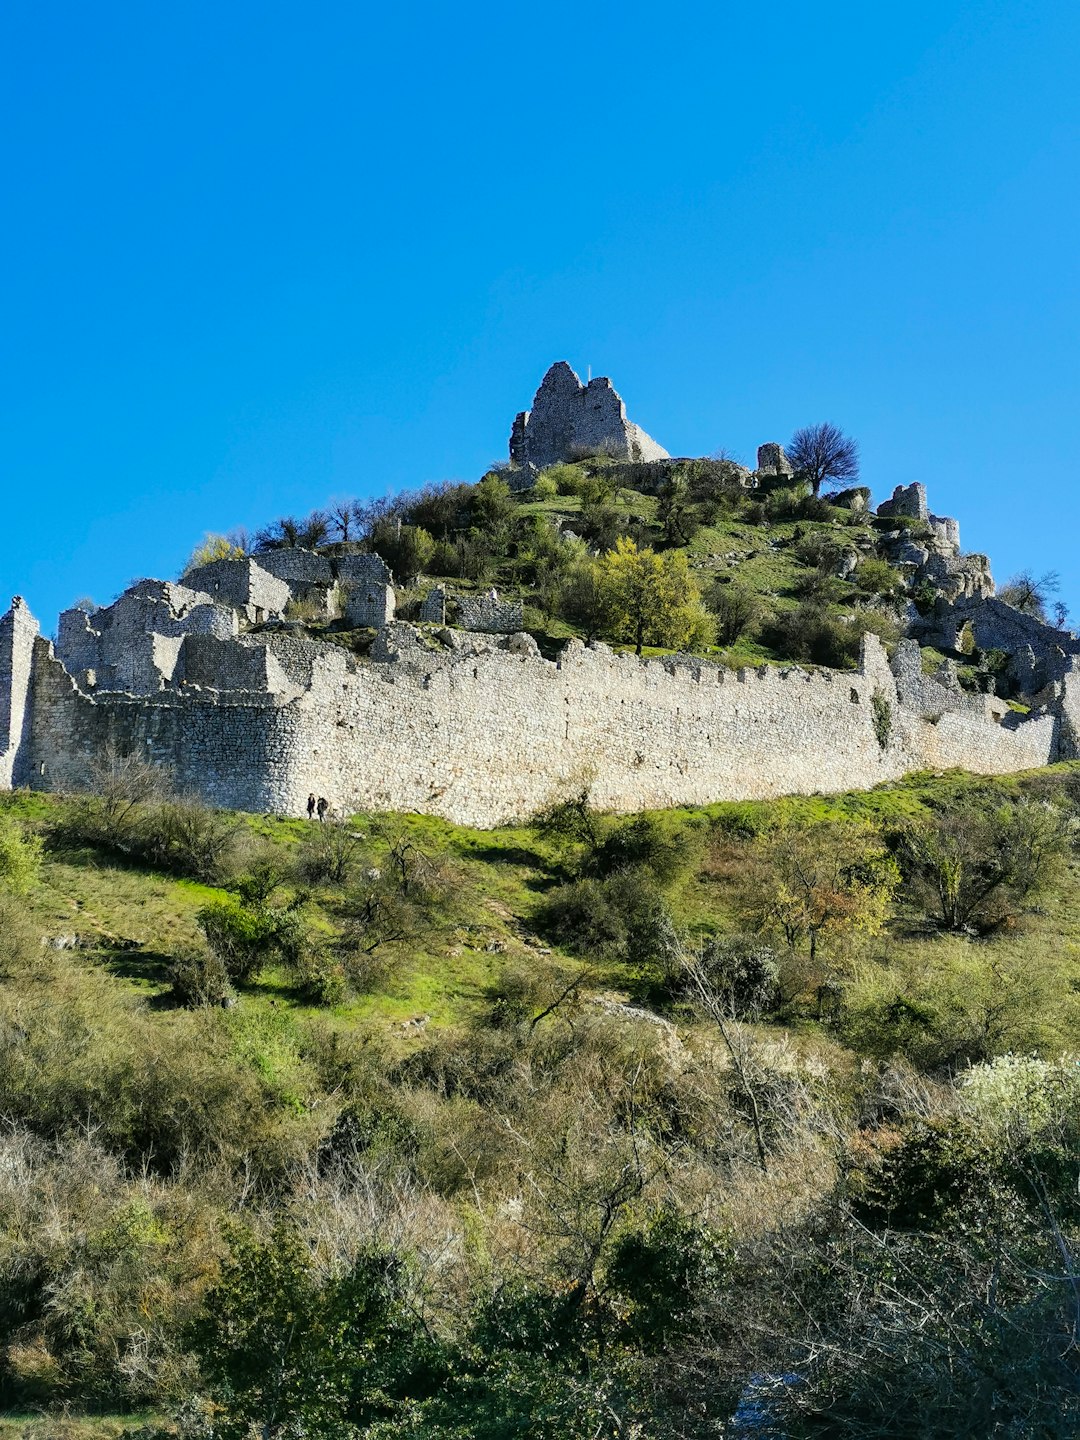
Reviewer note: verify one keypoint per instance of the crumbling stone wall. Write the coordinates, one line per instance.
(772, 461)
(482, 729)
(935, 695)
(244, 584)
(487, 615)
(569, 419)
(1039, 653)
(910, 501)
(369, 603)
(134, 644)
(18, 634)
(479, 613)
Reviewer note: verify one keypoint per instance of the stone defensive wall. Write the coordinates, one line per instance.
(483, 730)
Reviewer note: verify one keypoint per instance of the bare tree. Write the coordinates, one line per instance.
(823, 452)
(344, 519)
(288, 532)
(1030, 593)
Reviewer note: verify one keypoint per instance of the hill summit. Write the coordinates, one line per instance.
(457, 651)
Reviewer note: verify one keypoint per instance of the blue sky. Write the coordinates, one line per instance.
(255, 256)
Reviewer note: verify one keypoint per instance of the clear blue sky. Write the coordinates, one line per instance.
(258, 255)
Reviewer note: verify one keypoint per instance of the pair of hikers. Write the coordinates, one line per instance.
(317, 807)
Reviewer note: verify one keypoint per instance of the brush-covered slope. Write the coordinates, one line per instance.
(391, 1128)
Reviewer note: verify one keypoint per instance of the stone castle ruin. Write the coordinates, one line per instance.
(569, 420)
(460, 715)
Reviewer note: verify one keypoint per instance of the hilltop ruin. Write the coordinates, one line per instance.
(215, 679)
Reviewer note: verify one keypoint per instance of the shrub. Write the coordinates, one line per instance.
(623, 917)
(876, 577)
(199, 977)
(586, 917)
(185, 837)
(319, 976)
(811, 633)
(210, 548)
(734, 609)
(242, 936)
(546, 487)
(330, 853)
(814, 634)
(646, 842)
(743, 972)
(20, 856)
(581, 600)
(407, 549)
(601, 525)
(568, 479)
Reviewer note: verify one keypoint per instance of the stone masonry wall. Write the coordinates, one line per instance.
(245, 584)
(18, 634)
(488, 731)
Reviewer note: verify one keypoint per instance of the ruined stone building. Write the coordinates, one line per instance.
(569, 420)
(460, 715)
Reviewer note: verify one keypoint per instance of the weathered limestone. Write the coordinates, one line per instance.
(482, 729)
(569, 420)
(244, 584)
(133, 645)
(368, 595)
(485, 614)
(910, 501)
(772, 461)
(1040, 654)
(18, 634)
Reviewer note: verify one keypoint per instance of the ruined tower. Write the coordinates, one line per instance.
(569, 419)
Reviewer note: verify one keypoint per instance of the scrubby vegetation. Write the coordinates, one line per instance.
(758, 1114)
(693, 560)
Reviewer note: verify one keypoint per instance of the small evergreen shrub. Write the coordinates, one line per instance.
(199, 977)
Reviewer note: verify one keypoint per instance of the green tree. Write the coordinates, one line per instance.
(407, 549)
(650, 599)
(973, 867)
(826, 880)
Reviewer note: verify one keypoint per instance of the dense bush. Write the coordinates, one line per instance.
(200, 978)
(735, 610)
(975, 866)
(20, 856)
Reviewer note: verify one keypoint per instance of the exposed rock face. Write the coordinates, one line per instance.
(569, 419)
(771, 460)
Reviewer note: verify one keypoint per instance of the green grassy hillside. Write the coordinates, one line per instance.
(395, 1128)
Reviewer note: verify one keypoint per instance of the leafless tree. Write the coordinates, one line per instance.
(1030, 593)
(823, 452)
(345, 518)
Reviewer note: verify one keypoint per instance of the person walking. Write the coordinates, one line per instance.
(311, 807)
(323, 806)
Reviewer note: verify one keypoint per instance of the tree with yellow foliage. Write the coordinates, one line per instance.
(213, 547)
(650, 599)
(829, 879)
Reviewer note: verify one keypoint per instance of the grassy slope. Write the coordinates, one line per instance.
(762, 557)
(132, 921)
